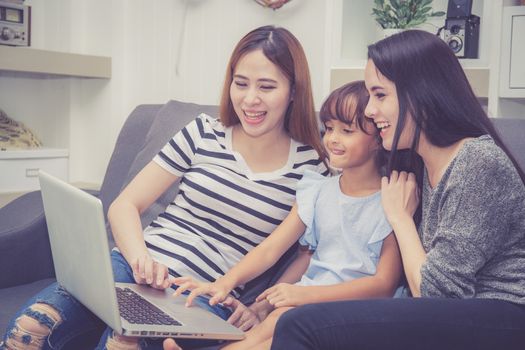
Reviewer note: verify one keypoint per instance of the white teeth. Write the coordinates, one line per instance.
(382, 125)
(254, 115)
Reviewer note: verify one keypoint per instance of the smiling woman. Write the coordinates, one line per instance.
(238, 175)
(464, 260)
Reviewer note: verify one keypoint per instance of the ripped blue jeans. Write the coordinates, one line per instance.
(77, 320)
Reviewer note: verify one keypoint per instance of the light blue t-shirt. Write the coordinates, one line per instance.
(346, 233)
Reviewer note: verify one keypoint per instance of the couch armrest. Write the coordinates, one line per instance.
(25, 253)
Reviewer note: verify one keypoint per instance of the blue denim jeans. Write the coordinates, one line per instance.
(404, 323)
(78, 320)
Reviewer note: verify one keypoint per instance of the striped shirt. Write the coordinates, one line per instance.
(222, 209)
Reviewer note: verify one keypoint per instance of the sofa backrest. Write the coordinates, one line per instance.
(129, 142)
(512, 132)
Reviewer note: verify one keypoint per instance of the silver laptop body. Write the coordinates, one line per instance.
(82, 262)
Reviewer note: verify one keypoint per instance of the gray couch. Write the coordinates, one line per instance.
(25, 256)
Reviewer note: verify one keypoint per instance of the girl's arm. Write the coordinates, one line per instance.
(412, 251)
(293, 273)
(124, 218)
(252, 265)
(382, 284)
(400, 200)
(297, 268)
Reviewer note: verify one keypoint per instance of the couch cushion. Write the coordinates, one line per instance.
(24, 243)
(512, 133)
(130, 141)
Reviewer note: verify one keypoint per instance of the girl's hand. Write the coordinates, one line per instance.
(148, 271)
(242, 317)
(399, 196)
(216, 290)
(284, 294)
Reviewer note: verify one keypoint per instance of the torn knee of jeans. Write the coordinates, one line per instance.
(45, 314)
(20, 338)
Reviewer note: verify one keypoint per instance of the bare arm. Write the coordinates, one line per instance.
(298, 267)
(382, 284)
(412, 251)
(124, 215)
(252, 265)
(293, 273)
(400, 200)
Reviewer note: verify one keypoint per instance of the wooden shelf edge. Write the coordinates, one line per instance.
(29, 60)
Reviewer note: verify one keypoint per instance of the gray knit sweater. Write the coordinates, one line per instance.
(473, 227)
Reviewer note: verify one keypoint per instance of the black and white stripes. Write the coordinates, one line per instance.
(222, 210)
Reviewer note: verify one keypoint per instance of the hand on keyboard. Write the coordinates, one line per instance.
(148, 271)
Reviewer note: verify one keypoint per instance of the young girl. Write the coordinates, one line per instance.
(349, 249)
(465, 263)
(242, 168)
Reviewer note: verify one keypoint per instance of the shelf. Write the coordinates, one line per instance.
(34, 153)
(478, 78)
(29, 60)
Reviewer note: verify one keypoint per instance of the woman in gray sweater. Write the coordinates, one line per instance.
(464, 254)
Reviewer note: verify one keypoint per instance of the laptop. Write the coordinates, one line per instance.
(81, 256)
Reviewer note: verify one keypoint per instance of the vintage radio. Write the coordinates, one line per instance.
(15, 23)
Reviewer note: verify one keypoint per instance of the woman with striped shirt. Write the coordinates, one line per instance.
(238, 177)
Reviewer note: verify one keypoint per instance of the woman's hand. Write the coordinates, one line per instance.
(284, 294)
(262, 309)
(242, 317)
(148, 271)
(217, 290)
(169, 344)
(399, 196)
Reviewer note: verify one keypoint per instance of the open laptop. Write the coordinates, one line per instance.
(82, 262)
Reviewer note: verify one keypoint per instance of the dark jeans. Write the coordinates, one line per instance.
(406, 323)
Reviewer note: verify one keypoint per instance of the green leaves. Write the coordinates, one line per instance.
(403, 14)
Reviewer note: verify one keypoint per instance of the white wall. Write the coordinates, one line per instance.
(143, 37)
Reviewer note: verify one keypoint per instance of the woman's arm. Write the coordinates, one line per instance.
(124, 218)
(252, 265)
(382, 284)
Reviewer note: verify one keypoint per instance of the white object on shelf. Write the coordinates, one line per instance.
(19, 169)
(512, 77)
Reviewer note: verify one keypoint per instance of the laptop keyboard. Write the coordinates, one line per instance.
(137, 310)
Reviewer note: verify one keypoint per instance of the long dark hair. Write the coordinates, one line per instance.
(346, 104)
(433, 89)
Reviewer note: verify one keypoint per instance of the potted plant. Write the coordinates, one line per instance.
(397, 15)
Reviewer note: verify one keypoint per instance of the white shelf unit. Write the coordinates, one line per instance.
(512, 77)
(20, 167)
(29, 60)
(35, 89)
(354, 29)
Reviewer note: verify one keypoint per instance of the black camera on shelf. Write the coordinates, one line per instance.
(462, 36)
(462, 29)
